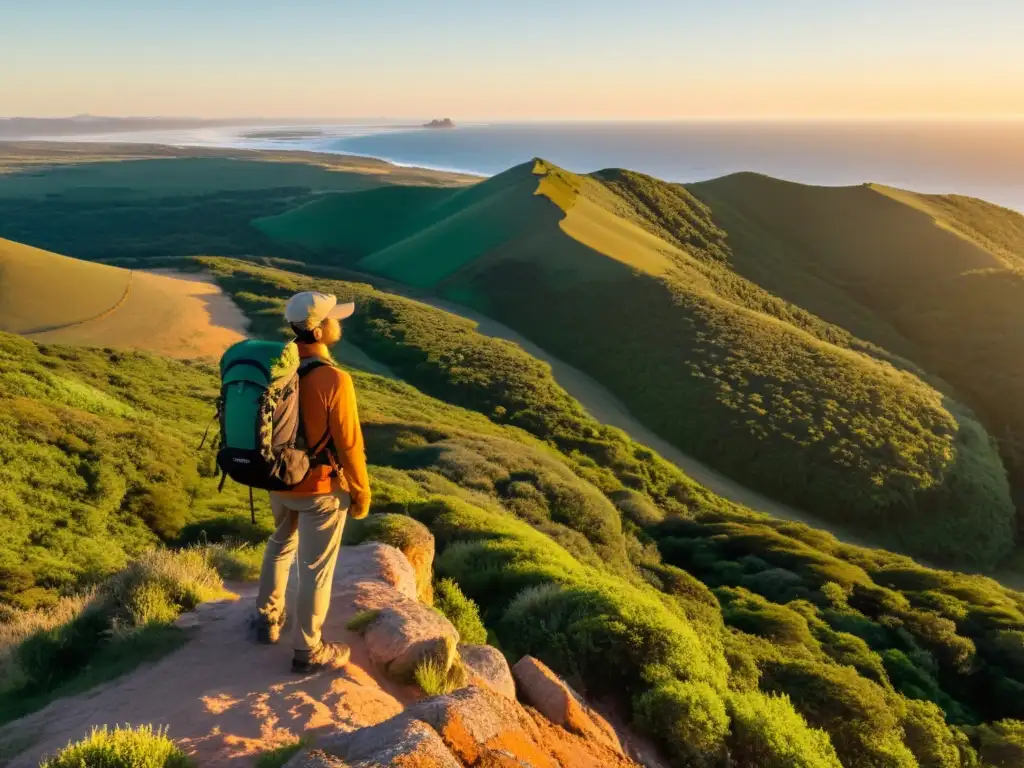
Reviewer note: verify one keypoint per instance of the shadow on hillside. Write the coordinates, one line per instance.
(751, 396)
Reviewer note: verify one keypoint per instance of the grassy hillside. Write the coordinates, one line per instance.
(56, 299)
(936, 277)
(629, 279)
(725, 630)
(41, 290)
(101, 202)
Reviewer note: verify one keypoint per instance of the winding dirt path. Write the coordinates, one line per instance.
(608, 409)
(224, 699)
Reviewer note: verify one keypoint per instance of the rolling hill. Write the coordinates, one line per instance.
(53, 298)
(632, 280)
(939, 278)
(578, 546)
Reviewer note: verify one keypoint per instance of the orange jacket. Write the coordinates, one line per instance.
(327, 397)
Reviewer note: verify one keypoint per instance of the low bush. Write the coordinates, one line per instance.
(128, 621)
(1001, 744)
(235, 562)
(462, 612)
(434, 679)
(766, 732)
(689, 716)
(142, 747)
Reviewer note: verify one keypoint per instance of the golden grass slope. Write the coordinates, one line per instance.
(40, 290)
(56, 299)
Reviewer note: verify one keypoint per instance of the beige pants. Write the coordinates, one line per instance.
(313, 526)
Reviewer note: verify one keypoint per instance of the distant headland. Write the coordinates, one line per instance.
(446, 123)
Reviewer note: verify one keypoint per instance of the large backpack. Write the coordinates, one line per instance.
(262, 444)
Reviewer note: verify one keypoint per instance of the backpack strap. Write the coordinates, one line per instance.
(321, 446)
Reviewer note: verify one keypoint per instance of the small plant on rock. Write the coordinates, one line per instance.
(361, 621)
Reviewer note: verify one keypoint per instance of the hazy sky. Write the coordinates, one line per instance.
(518, 59)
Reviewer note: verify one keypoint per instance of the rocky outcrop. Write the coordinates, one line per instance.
(406, 633)
(369, 575)
(553, 698)
(403, 632)
(396, 742)
(408, 536)
(486, 665)
(473, 726)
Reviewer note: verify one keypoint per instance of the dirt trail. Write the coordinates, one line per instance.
(223, 698)
(608, 409)
(178, 314)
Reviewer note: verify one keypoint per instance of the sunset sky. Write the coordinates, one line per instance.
(528, 59)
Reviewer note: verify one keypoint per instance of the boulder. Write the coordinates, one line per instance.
(374, 563)
(472, 726)
(406, 632)
(548, 694)
(486, 665)
(399, 741)
(410, 537)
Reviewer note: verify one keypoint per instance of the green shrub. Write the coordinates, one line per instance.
(688, 717)
(755, 615)
(1001, 744)
(235, 562)
(857, 713)
(361, 621)
(142, 747)
(185, 578)
(928, 737)
(766, 732)
(462, 612)
(126, 623)
(150, 603)
(434, 679)
(50, 657)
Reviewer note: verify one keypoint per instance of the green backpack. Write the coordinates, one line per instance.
(262, 444)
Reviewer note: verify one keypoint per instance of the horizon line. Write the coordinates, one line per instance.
(921, 117)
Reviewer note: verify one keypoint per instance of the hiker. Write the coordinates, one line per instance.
(309, 517)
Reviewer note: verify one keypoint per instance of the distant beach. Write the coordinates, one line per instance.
(980, 159)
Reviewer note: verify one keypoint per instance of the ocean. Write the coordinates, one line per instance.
(981, 159)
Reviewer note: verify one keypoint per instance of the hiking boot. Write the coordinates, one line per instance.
(327, 656)
(264, 630)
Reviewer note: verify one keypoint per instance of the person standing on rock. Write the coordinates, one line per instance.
(309, 518)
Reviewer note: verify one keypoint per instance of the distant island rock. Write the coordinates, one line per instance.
(446, 123)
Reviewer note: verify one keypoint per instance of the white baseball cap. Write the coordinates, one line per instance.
(309, 308)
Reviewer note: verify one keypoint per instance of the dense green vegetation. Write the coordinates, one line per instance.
(726, 635)
(100, 464)
(934, 277)
(155, 208)
(911, 659)
(462, 612)
(525, 534)
(103, 227)
(105, 632)
(755, 386)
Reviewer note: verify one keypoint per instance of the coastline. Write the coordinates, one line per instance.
(987, 163)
